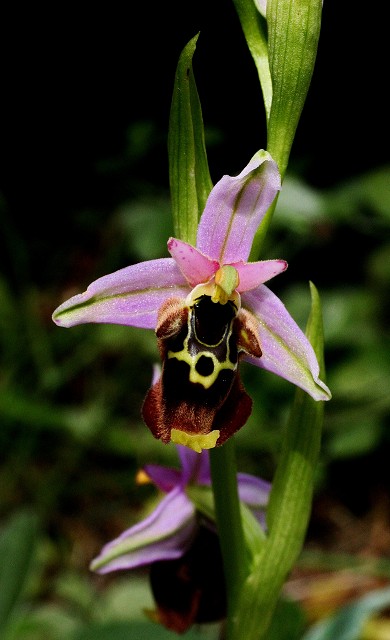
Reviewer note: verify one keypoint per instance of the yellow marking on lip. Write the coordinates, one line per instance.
(195, 441)
(194, 376)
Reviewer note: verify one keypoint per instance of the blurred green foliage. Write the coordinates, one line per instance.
(72, 437)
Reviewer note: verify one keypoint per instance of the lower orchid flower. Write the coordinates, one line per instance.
(175, 535)
(169, 530)
(209, 308)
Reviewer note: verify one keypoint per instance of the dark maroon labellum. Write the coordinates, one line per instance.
(190, 589)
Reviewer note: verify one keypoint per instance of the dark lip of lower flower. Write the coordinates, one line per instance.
(190, 589)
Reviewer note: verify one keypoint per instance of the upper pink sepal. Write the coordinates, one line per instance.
(235, 209)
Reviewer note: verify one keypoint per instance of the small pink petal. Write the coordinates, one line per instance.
(165, 478)
(194, 265)
(252, 274)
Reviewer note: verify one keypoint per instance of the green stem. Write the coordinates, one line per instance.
(230, 529)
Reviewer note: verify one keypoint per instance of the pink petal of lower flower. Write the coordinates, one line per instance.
(164, 535)
(286, 350)
(252, 274)
(253, 491)
(195, 466)
(195, 266)
(235, 209)
(165, 478)
(130, 296)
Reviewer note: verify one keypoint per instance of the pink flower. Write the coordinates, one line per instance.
(209, 308)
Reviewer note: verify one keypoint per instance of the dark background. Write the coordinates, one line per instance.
(74, 79)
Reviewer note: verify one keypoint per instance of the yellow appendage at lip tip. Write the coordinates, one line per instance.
(195, 441)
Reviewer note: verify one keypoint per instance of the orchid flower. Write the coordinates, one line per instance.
(210, 308)
(168, 532)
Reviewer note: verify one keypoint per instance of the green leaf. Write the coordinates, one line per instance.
(290, 503)
(255, 31)
(289, 621)
(348, 623)
(293, 33)
(189, 175)
(17, 547)
(291, 494)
